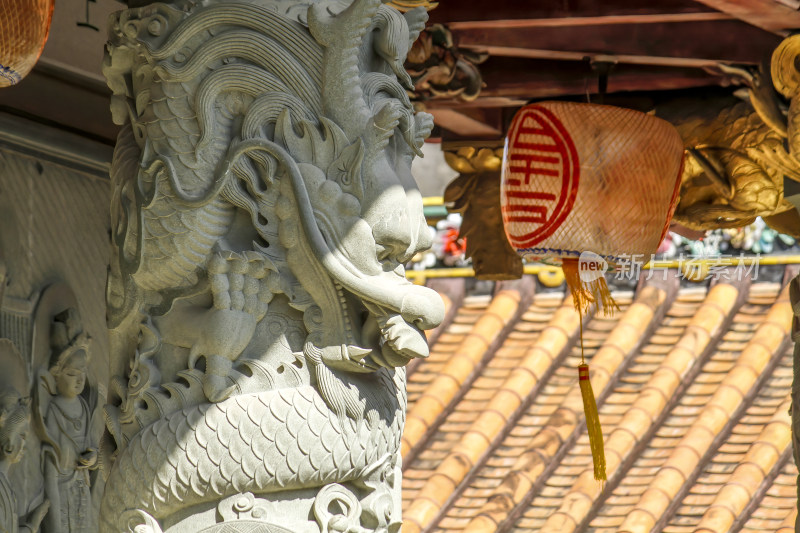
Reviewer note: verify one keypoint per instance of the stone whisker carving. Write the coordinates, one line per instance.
(263, 208)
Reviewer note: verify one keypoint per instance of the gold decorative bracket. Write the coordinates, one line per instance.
(475, 194)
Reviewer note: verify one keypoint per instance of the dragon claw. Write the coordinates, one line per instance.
(217, 388)
(217, 384)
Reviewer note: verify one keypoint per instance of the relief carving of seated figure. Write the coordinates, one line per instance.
(14, 426)
(70, 453)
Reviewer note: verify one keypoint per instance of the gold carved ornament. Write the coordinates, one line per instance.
(475, 194)
(738, 158)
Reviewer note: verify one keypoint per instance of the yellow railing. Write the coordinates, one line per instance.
(431, 201)
(419, 276)
(697, 265)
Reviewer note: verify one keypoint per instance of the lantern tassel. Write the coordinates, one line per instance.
(592, 423)
(584, 294)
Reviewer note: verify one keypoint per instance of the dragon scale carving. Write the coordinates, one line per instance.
(263, 208)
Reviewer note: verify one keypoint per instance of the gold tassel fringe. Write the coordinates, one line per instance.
(584, 295)
(592, 423)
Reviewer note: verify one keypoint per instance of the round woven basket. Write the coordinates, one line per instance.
(24, 26)
(588, 178)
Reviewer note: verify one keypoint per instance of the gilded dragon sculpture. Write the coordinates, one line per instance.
(738, 154)
(263, 208)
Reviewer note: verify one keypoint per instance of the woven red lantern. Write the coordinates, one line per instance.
(24, 26)
(581, 178)
(588, 178)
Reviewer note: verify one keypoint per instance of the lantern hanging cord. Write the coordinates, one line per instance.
(580, 333)
(584, 294)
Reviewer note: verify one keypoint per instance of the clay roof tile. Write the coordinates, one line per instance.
(688, 397)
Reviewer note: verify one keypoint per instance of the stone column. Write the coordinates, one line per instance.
(262, 210)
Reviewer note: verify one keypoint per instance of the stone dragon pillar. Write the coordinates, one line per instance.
(262, 210)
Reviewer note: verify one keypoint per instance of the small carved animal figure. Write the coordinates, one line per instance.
(14, 427)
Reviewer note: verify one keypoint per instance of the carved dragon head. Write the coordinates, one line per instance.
(313, 145)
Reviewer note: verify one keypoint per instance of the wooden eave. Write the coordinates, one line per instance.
(546, 50)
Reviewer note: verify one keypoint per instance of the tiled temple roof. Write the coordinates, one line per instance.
(692, 386)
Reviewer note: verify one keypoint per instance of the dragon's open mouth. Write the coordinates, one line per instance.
(379, 336)
(395, 342)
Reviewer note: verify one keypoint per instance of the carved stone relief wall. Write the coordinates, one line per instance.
(262, 209)
(17, 513)
(53, 259)
(54, 224)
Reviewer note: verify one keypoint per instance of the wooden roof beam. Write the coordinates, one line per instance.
(529, 53)
(512, 82)
(533, 79)
(560, 22)
(733, 41)
(448, 12)
(770, 15)
(463, 125)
